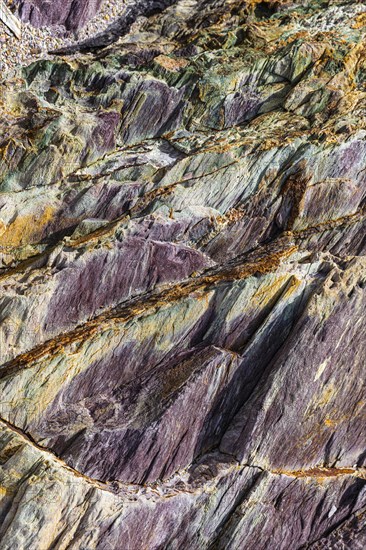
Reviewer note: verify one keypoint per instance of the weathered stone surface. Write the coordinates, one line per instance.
(72, 14)
(222, 504)
(182, 238)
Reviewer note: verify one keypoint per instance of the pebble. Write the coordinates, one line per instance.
(36, 43)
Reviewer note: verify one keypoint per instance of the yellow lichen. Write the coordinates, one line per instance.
(26, 229)
(170, 63)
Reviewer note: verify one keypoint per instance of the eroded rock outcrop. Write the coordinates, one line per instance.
(71, 14)
(182, 285)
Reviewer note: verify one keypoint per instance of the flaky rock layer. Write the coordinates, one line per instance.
(182, 282)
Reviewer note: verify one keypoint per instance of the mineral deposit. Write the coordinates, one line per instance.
(182, 303)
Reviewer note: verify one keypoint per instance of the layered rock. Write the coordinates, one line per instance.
(72, 14)
(182, 285)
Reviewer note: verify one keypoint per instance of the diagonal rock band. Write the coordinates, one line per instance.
(182, 280)
(120, 27)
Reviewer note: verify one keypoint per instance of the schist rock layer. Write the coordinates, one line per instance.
(72, 14)
(182, 304)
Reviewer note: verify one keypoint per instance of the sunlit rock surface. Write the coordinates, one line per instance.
(182, 300)
(72, 14)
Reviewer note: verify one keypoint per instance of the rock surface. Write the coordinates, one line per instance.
(72, 14)
(183, 280)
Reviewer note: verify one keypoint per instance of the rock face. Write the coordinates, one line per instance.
(183, 282)
(72, 14)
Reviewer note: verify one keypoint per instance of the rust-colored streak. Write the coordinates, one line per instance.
(260, 262)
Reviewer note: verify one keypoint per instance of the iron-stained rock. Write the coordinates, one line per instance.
(182, 280)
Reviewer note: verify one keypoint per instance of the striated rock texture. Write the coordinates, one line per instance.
(72, 14)
(183, 277)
